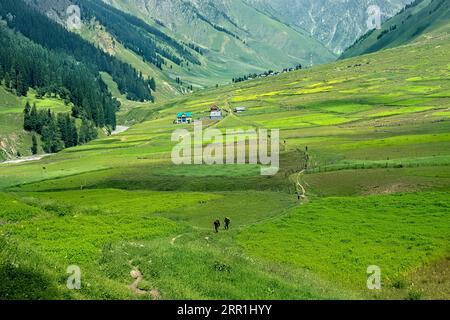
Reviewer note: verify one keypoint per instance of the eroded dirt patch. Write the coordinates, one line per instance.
(136, 274)
(389, 189)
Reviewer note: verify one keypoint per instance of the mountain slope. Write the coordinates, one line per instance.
(336, 24)
(124, 36)
(236, 38)
(37, 27)
(190, 44)
(421, 17)
(96, 33)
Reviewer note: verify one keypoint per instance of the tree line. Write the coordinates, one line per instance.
(269, 73)
(56, 131)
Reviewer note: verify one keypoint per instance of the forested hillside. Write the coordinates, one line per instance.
(42, 61)
(147, 41)
(40, 29)
(24, 65)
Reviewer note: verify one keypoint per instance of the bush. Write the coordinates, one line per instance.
(399, 284)
(414, 294)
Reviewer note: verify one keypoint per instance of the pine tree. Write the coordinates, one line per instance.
(72, 133)
(34, 147)
(27, 122)
(42, 120)
(93, 133)
(34, 121)
(62, 126)
(51, 137)
(13, 82)
(152, 84)
(88, 132)
(67, 128)
(7, 80)
(83, 137)
(21, 89)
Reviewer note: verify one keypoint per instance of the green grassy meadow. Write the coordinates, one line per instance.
(376, 130)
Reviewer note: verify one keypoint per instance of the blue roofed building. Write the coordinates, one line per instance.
(183, 117)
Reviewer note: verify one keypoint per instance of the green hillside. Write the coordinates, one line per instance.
(236, 39)
(367, 138)
(418, 19)
(166, 88)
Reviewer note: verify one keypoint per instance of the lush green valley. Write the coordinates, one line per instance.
(367, 138)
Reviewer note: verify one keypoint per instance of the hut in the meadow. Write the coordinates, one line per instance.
(215, 113)
(239, 109)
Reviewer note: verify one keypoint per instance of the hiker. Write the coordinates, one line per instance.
(227, 222)
(216, 225)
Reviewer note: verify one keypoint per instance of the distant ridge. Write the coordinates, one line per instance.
(422, 16)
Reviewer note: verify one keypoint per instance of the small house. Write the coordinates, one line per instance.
(239, 109)
(183, 118)
(216, 113)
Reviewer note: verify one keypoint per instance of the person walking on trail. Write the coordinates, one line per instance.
(227, 222)
(216, 225)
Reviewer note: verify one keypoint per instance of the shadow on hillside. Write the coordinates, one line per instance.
(20, 283)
